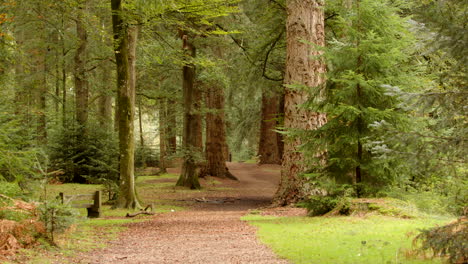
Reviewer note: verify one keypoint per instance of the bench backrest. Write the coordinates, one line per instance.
(94, 209)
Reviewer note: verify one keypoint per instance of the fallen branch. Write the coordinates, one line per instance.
(143, 211)
(139, 213)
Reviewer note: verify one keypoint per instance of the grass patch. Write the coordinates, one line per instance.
(53, 190)
(373, 239)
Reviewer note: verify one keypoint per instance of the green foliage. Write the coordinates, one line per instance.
(446, 241)
(56, 217)
(18, 156)
(92, 158)
(9, 212)
(10, 189)
(433, 148)
(145, 156)
(370, 49)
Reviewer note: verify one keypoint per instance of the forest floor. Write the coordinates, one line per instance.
(210, 231)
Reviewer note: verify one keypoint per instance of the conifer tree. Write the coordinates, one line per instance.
(369, 51)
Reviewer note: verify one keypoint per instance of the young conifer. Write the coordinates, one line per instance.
(369, 51)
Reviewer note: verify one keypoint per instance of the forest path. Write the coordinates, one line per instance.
(209, 232)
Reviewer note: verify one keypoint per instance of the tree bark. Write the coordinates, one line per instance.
(105, 100)
(140, 125)
(192, 121)
(305, 24)
(215, 144)
(41, 100)
(64, 75)
(270, 145)
(162, 136)
(126, 98)
(171, 113)
(81, 93)
(81, 81)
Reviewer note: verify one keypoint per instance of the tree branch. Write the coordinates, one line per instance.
(264, 74)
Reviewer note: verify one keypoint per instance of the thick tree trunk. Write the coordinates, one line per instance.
(192, 122)
(215, 144)
(270, 146)
(126, 97)
(305, 24)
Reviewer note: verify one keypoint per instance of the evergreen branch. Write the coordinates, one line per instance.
(414, 154)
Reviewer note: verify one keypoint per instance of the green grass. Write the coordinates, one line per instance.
(344, 240)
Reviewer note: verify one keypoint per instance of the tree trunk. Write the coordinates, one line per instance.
(41, 100)
(140, 125)
(192, 122)
(215, 144)
(64, 76)
(162, 136)
(81, 94)
(269, 149)
(126, 99)
(81, 81)
(171, 125)
(105, 100)
(305, 24)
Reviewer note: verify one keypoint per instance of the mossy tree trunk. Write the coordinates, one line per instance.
(305, 24)
(126, 105)
(192, 121)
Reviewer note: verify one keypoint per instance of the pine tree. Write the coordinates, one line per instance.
(369, 51)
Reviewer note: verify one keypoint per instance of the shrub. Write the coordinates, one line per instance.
(56, 217)
(145, 156)
(10, 189)
(84, 158)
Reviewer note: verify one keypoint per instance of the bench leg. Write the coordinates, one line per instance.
(94, 212)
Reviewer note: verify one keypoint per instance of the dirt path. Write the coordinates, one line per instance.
(210, 232)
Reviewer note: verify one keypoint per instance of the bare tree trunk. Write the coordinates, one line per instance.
(140, 125)
(57, 76)
(305, 24)
(105, 99)
(81, 93)
(81, 81)
(64, 76)
(41, 100)
(162, 136)
(216, 148)
(123, 51)
(215, 144)
(192, 122)
(269, 149)
(171, 127)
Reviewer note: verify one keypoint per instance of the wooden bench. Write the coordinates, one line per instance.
(94, 209)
